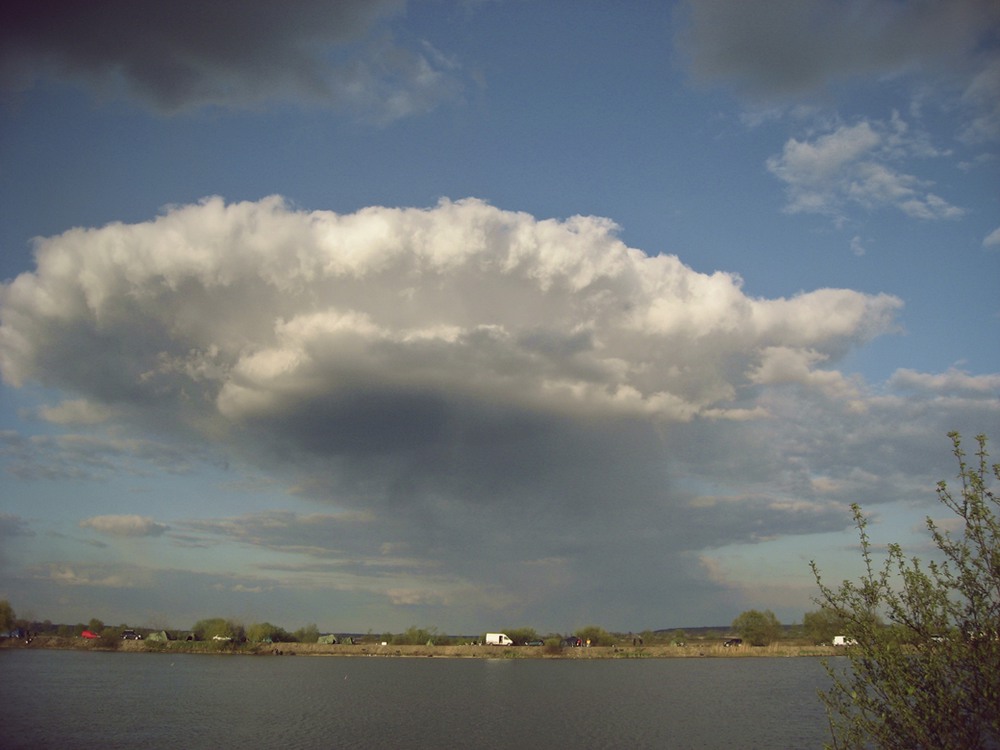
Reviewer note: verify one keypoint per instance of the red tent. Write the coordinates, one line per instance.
(88, 634)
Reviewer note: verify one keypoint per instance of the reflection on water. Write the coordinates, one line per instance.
(110, 700)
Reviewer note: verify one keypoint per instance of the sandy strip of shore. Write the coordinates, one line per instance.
(691, 650)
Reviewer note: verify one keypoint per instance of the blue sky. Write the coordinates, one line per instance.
(477, 315)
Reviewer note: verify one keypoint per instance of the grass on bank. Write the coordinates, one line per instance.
(548, 651)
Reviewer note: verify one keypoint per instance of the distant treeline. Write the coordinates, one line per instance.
(221, 628)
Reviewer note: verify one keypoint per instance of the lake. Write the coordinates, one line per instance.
(77, 699)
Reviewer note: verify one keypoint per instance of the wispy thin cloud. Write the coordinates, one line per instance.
(852, 167)
(124, 525)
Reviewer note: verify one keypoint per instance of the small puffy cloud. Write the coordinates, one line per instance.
(124, 525)
(189, 54)
(86, 576)
(829, 154)
(242, 588)
(852, 167)
(951, 382)
(75, 411)
(410, 597)
(992, 239)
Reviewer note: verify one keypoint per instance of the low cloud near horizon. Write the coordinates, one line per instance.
(124, 525)
(488, 411)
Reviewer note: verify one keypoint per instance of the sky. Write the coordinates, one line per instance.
(475, 315)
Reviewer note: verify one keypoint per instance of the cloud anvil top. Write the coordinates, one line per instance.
(255, 311)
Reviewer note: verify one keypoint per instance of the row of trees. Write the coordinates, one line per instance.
(762, 628)
(757, 628)
(206, 629)
(221, 627)
(10, 622)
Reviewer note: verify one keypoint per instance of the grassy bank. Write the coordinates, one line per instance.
(712, 650)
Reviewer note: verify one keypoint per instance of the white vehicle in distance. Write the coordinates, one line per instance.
(498, 639)
(843, 640)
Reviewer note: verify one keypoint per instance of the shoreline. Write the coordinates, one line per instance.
(656, 651)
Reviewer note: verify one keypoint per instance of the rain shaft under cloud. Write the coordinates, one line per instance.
(503, 399)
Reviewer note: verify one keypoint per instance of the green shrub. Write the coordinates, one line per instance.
(758, 628)
(595, 636)
(929, 678)
(553, 646)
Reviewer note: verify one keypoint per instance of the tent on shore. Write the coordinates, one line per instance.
(161, 636)
(328, 639)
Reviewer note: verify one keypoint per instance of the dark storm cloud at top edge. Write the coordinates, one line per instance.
(780, 49)
(187, 53)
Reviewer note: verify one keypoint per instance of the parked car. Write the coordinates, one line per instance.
(572, 641)
(535, 642)
(130, 635)
(733, 642)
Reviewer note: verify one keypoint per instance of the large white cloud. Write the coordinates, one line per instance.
(419, 371)
(223, 313)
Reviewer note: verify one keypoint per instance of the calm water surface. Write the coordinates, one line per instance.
(73, 699)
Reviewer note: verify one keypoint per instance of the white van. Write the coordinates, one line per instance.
(843, 640)
(498, 639)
